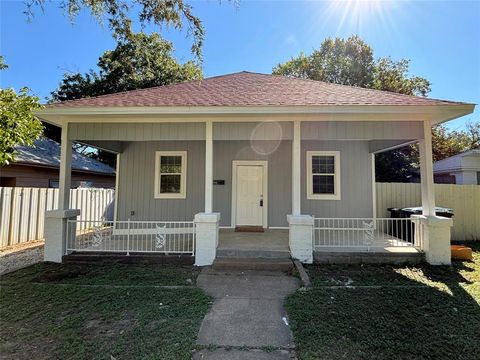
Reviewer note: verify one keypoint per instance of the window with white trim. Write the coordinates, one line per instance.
(170, 174)
(323, 175)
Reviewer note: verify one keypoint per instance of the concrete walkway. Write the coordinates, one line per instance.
(247, 313)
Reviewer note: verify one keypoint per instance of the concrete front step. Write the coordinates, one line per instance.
(253, 254)
(259, 264)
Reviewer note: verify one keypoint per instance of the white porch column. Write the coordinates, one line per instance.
(206, 238)
(300, 226)
(300, 237)
(64, 182)
(426, 170)
(56, 224)
(208, 167)
(207, 223)
(296, 146)
(432, 232)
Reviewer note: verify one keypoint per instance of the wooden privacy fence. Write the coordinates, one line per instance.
(463, 199)
(22, 210)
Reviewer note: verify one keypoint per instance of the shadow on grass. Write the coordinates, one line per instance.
(41, 320)
(105, 274)
(388, 312)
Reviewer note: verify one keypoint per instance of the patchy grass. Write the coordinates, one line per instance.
(105, 274)
(389, 312)
(50, 311)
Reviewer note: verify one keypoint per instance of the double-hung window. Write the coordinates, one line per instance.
(170, 174)
(323, 175)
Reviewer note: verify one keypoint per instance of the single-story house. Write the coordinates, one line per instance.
(291, 157)
(461, 169)
(38, 166)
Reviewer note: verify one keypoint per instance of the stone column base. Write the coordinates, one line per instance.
(435, 234)
(56, 233)
(301, 237)
(206, 235)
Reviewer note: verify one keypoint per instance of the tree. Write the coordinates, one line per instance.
(340, 61)
(139, 61)
(402, 164)
(18, 124)
(351, 62)
(397, 165)
(392, 76)
(119, 15)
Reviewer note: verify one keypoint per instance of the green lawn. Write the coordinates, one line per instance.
(389, 312)
(95, 312)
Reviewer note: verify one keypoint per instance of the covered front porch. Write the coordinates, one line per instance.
(295, 223)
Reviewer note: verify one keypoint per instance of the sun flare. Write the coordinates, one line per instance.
(357, 14)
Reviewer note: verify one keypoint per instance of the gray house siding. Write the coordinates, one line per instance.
(356, 180)
(311, 130)
(137, 167)
(137, 173)
(137, 178)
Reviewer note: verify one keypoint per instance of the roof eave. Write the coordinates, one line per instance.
(435, 113)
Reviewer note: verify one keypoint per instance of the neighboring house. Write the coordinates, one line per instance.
(461, 169)
(250, 151)
(38, 166)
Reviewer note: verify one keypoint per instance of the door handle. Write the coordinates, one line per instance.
(261, 202)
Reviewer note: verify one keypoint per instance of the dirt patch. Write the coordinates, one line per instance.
(97, 327)
(42, 347)
(48, 277)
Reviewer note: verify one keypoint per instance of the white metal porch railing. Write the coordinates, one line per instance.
(364, 233)
(167, 237)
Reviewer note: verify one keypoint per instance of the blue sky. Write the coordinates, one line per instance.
(442, 38)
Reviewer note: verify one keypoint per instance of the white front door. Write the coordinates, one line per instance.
(249, 208)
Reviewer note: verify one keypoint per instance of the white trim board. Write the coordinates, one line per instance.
(236, 163)
(183, 176)
(337, 195)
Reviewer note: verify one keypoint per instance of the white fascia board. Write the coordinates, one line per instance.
(434, 113)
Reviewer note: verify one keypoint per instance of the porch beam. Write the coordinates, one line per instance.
(426, 170)
(64, 182)
(208, 167)
(296, 154)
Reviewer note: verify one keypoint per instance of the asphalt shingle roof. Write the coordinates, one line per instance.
(251, 89)
(46, 152)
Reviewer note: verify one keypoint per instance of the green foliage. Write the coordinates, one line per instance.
(339, 61)
(118, 13)
(396, 165)
(138, 61)
(392, 76)
(18, 124)
(2, 63)
(401, 164)
(351, 62)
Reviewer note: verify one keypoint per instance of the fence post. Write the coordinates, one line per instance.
(128, 237)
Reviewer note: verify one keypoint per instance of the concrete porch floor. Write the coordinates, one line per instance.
(269, 240)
